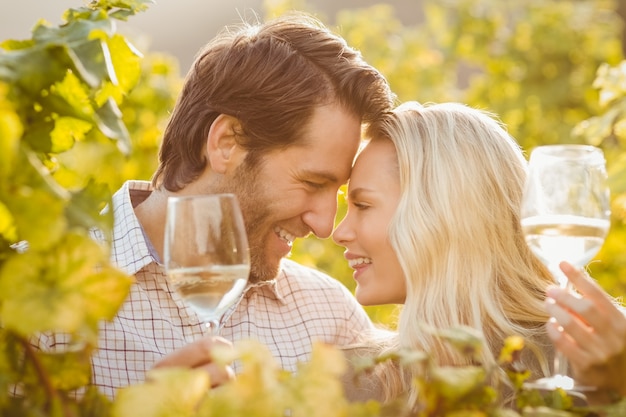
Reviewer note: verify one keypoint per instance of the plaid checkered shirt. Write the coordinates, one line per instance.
(287, 314)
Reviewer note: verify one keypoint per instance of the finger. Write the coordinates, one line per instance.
(193, 355)
(560, 340)
(586, 285)
(591, 346)
(218, 374)
(583, 308)
(565, 344)
(596, 306)
(571, 324)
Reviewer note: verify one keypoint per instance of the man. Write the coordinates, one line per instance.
(273, 114)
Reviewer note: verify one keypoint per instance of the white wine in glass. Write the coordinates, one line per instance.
(206, 253)
(565, 216)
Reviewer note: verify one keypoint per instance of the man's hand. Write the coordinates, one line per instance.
(590, 330)
(197, 355)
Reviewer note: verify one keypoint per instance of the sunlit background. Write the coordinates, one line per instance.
(178, 27)
(532, 62)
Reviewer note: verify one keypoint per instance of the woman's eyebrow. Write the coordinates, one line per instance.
(355, 193)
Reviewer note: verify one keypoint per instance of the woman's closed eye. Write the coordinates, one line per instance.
(360, 205)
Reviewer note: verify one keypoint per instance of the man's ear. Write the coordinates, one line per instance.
(223, 150)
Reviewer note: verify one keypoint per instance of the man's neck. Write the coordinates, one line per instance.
(151, 215)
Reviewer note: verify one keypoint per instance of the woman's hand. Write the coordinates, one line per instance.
(197, 355)
(590, 330)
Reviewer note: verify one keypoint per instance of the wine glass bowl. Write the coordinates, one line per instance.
(574, 239)
(206, 253)
(565, 216)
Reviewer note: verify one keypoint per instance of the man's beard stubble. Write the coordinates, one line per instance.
(254, 206)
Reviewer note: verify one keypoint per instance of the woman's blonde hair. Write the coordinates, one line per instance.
(457, 234)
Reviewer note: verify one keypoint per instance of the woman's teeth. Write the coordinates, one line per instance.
(359, 261)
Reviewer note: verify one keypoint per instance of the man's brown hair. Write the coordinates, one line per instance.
(270, 77)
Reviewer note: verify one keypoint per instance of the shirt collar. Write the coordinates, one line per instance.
(128, 233)
(131, 249)
(277, 286)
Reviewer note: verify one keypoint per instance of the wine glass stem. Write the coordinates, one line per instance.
(560, 362)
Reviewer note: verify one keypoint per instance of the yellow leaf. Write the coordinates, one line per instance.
(74, 93)
(66, 131)
(10, 132)
(7, 224)
(259, 389)
(65, 289)
(316, 390)
(512, 346)
(167, 392)
(455, 382)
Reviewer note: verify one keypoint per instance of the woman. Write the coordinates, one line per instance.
(433, 223)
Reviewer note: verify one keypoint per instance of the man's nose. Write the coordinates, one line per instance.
(321, 215)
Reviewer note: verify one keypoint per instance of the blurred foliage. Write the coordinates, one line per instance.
(144, 112)
(81, 110)
(262, 389)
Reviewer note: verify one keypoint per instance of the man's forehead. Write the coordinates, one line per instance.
(321, 174)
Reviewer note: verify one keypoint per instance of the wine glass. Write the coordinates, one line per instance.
(565, 217)
(206, 253)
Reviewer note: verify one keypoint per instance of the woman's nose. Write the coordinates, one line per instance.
(343, 232)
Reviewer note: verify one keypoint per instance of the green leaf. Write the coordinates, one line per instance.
(23, 68)
(467, 413)
(545, 412)
(13, 44)
(76, 101)
(74, 32)
(37, 135)
(68, 370)
(86, 208)
(109, 119)
(66, 289)
(125, 62)
(91, 60)
(38, 216)
(7, 359)
(94, 404)
(10, 132)
(130, 6)
(66, 131)
(7, 224)
(617, 176)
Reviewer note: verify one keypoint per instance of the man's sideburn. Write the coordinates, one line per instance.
(246, 183)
